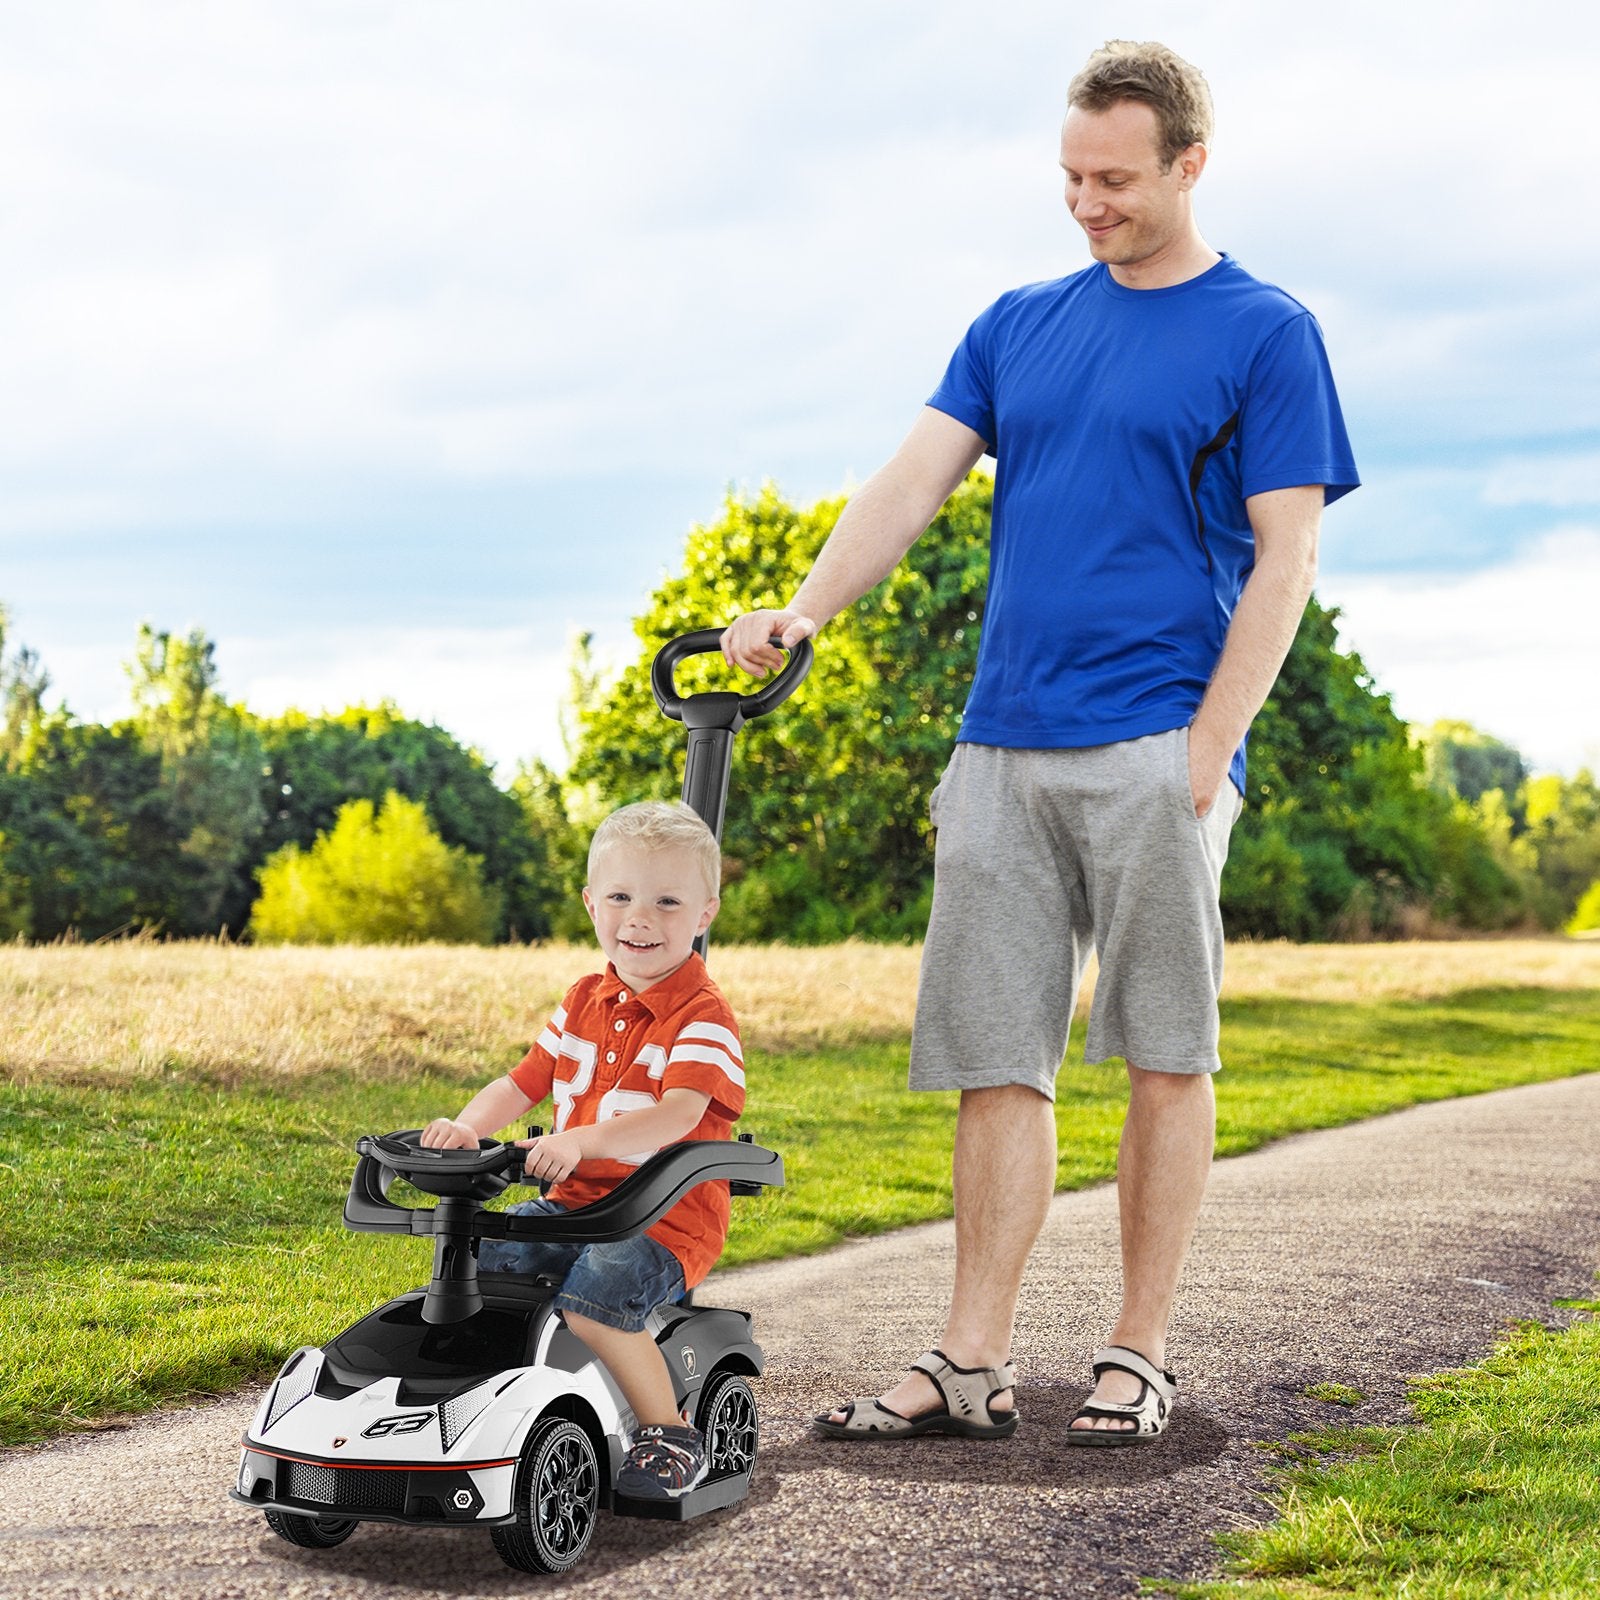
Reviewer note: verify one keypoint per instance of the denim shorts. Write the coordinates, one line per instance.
(618, 1284)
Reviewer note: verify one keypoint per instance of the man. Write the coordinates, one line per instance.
(1166, 433)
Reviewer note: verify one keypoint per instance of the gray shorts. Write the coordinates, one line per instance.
(1041, 852)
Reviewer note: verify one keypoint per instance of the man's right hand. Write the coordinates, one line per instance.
(745, 643)
(444, 1133)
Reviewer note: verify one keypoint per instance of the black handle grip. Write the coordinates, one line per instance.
(708, 641)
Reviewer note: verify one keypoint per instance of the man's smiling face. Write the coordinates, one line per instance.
(1131, 208)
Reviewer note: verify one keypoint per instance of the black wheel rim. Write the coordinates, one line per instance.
(565, 1496)
(731, 1444)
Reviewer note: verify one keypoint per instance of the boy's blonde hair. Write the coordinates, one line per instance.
(662, 825)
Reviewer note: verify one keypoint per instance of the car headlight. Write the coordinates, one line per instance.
(295, 1382)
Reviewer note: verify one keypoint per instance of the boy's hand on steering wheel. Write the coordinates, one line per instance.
(445, 1133)
(551, 1157)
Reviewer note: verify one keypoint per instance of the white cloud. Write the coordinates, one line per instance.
(1563, 481)
(499, 689)
(1513, 647)
(265, 255)
(510, 241)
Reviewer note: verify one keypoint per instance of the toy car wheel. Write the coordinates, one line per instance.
(312, 1533)
(726, 1416)
(557, 1500)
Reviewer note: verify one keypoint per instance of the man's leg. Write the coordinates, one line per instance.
(1162, 1166)
(1000, 970)
(1004, 1175)
(1156, 872)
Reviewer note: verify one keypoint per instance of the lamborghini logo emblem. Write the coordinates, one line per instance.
(686, 1356)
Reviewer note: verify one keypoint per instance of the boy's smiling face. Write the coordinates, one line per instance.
(648, 906)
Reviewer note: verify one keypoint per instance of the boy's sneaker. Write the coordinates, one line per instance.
(664, 1464)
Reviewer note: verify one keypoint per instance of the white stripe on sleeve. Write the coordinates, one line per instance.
(710, 1056)
(550, 1039)
(726, 1037)
(654, 1059)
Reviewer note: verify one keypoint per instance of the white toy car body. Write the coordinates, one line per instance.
(470, 1402)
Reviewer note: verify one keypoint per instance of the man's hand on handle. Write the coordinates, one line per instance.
(745, 644)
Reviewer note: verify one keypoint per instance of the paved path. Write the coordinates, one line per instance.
(1354, 1256)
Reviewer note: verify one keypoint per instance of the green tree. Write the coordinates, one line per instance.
(1561, 837)
(23, 682)
(378, 877)
(313, 765)
(826, 831)
(14, 919)
(1462, 760)
(1342, 837)
(557, 866)
(1586, 917)
(91, 846)
(211, 761)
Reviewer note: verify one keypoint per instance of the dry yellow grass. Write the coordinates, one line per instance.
(142, 1008)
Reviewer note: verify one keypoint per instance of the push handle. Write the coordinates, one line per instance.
(708, 641)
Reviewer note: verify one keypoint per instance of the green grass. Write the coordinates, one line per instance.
(1496, 1496)
(1335, 1394)
(162, 1238)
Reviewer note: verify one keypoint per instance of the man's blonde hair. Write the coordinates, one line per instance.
(661, 825)
(1163, 80)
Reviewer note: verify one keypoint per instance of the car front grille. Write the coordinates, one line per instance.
(368, 1489)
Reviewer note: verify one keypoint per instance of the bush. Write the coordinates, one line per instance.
(1587, 915)
(376, 878)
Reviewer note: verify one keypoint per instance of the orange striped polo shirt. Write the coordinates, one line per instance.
(608, 1050)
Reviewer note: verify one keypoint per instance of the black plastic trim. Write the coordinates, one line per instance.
(1197, 469)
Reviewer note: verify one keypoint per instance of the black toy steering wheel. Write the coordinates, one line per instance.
(478, 1174)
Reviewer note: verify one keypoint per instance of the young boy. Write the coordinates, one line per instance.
(641, 1057)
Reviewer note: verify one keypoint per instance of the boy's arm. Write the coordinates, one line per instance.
(676, 1114)
(491, 1107)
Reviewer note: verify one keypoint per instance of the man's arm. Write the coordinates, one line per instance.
(1286, 523)
(884, 518)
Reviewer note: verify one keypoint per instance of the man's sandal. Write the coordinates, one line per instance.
(966, 1391)
(1150, 1412)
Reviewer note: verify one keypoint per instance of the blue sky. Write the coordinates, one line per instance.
(393, 343)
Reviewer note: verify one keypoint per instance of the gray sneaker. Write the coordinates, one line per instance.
(664, 1463)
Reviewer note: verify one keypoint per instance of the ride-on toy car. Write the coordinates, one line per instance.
(469, 1402)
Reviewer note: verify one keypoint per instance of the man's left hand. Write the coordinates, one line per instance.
(1208, 769)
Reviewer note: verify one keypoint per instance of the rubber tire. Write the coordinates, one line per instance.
(558, 1454)
(726, 1415)
(311, 1533)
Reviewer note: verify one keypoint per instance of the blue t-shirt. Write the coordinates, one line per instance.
(1128, 426)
